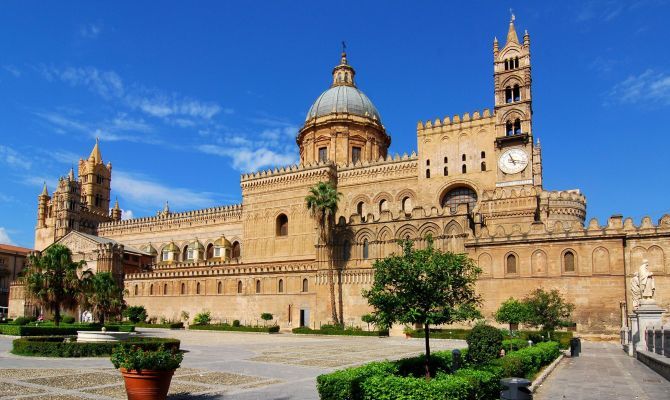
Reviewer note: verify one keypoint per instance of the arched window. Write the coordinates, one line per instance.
(509, 128)
(464, 169)
(510, 264)
(517, 126)
(508, 94)
(165, 289)
(197, 288)
(463, 157)
(237, 250)
(428, 162)
(136, 290)
(407, 205)
(166, 255)
(282, 225)
(461, 195)
(219, 288)
(483, 165)
(427, 173)
(258, 285)
(305, 285)
(483, 154)
(151, 290)
(446, 160)
(280, 288)
(516, 93)
(183, 288)
(569, 261)
(210, 251)
(239, 286)
(506, 65)
(184, 254)
(346, 250)
(360, 210)
(366, 249)
(383, 206)
(516, 62)
(446, 171)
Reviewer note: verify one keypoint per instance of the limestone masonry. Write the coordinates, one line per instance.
(475, 185)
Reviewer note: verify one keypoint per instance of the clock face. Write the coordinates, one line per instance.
(513, 161)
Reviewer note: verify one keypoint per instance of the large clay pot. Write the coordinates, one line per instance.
(147, 385)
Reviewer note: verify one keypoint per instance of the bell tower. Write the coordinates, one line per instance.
(95, 178)
(514, 111)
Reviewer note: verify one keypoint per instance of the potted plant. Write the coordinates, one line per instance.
(147, 374)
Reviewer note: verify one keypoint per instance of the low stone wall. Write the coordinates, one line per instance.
(657, 354)
(658, 363)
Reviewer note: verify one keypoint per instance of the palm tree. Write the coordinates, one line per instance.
(322, 204)
(102, 294)
(52, 280)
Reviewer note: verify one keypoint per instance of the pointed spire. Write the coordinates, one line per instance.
(343, 74)
(166, 208)
(70, 175)
(495, 45)
(116, 204)
(45, 192)
(96, 156)
(511, 33)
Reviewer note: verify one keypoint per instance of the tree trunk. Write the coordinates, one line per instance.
(57, 315)
(427, 340)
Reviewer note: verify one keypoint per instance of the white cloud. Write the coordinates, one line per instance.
(4, 236)
(649, 86)
(105, 130)
(163, 106)
(13, 158)
(145, 192)
(12, 70)
(107, 84)
(90, 31)
(127, 214)
(247, 160)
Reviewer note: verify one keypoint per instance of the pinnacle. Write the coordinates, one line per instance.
(96, 156)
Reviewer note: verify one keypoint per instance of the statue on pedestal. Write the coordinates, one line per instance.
(642, 285)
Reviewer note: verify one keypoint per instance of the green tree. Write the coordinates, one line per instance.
(547, 308)
(368, 319)
(427, 287)
(322, 204)
(266, 317)
(52, 280)
(511, 311)
(103, 294)
(203, 318)
(135, 314)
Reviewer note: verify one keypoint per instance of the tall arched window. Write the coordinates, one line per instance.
(483, 165)
(517, 126)
(282, 225)
(407, 205)
(366, 249)
(427, 173)
(237, 250)
(509, 128)
(346, 250)
(239, 286)
(464, 169)
(136, 290)
(508, 94)
(510, 264)
(183, 288)
(516, 93)
(483, 154)
(463, 157)
(446, 160)
(165, 289)
(184, 254)
(151, 290)
(569, 261)
(383, 206)
(506, 65)
(461, 195)
(258, 285)
(305, 285)
(210, 251)
(197, 288)
(280, 287)
(360, 210)
(446, 171)
(427, 162)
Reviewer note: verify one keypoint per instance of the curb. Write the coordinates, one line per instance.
(540, 379)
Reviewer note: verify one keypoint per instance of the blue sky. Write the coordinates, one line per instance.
(186, 95)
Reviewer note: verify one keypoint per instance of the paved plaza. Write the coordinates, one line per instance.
(217, 365)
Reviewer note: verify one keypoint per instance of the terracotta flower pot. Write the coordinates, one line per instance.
(147, 385)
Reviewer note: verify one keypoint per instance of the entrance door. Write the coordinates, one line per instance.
(304, 317)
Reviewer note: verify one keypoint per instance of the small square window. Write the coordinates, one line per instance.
(355, 154)
(323, 154)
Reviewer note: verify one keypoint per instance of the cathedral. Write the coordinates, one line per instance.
(474, 185)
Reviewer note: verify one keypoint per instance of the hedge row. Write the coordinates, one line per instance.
(226, 327)
(342, 332)
(403, 379)
(63, 329)
(563, 338)
(62, 346)
(170, 325)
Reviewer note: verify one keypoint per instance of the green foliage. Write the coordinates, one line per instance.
(185, 316)
(135, 314)
(441, 333)
(266, 317)
(203, 318)
(52, 280)
(20, 321)
(48, 329)
(166, 325)
(68, 319)
(62, 346)
(528, 361)
(511, 311)
(346, 384)
(103, 294)
(236, 323)
(133, 358)
(547, 308)
(336, 330)
(514, 344)
(484, 344)
(238, 328)
(11, 329)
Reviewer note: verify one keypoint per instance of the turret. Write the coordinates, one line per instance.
(116, 211)
(42, 206)
(95, 178)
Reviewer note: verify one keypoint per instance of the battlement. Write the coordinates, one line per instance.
(292, 175)
(203, 269)
(511, 193)
(455, 122)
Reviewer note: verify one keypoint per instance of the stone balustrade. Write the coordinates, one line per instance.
(658, 339)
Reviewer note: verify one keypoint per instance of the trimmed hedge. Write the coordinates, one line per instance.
(241, 328)
(63, 346)
(63, 329)
(336, 331)
(403, 379)
(562, 337)
(171, 325)
(442, 333)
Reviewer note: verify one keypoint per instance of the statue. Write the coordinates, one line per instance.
(642, 285)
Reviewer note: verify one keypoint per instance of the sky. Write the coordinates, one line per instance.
(185, 96)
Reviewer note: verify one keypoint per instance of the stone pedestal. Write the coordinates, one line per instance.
(647, 314)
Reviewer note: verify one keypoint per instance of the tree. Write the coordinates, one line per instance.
(368, 319)
(266, 317)
(427, 287)
(322, 205)
(203, 318)
(52, 280)
(547, 308)
(511, 311)
(102, 294)
(135, 314)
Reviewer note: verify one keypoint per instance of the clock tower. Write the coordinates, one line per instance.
(517, 159)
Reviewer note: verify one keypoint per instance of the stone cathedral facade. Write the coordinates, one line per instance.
(475, 185)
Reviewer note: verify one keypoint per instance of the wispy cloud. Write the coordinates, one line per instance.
(90, 31)
(606, 10)
(119, 128)
(13, 158)
(12, 69)
(146, 192)
(4, 236)
(649, 87)
(247, 160)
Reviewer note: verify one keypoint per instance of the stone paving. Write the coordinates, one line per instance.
(217, 365)
(603, 371)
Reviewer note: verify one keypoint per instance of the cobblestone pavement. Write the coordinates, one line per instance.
(217, 365)
(603, 371)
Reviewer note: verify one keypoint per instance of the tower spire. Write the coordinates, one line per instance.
(96, 156)
(511, 33)
(45, 192)
(343, 74)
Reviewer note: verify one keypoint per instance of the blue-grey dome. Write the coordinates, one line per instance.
(343, 99)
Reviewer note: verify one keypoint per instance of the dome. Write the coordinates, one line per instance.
(223, 242)
(343, 99)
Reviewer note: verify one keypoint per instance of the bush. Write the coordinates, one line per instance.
(335, 330)
(48, 329)
(528, 361)
(239, 328)
(484, 344)
(135, 314)
(68, 319)
(442, 333)
(21, 321)
(346, 384)
(166, 325)
(136, 359)
(62, 346)
(266, 316)
(236, 323)
(203, 318)
(514, 344)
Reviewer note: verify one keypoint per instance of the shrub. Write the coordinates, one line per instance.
(10, 329)
(63, 346)
(137, 359)
(166, 325)
(442, 333)
(334, 330)
(203, 318)
(135, 314)
(527, 361)
(68, 319)
(236, 323)
(239, 328)
(21, 321)
(266, 316)
(484, 344)
(514, 344)
(346, 384)
(185, 316)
